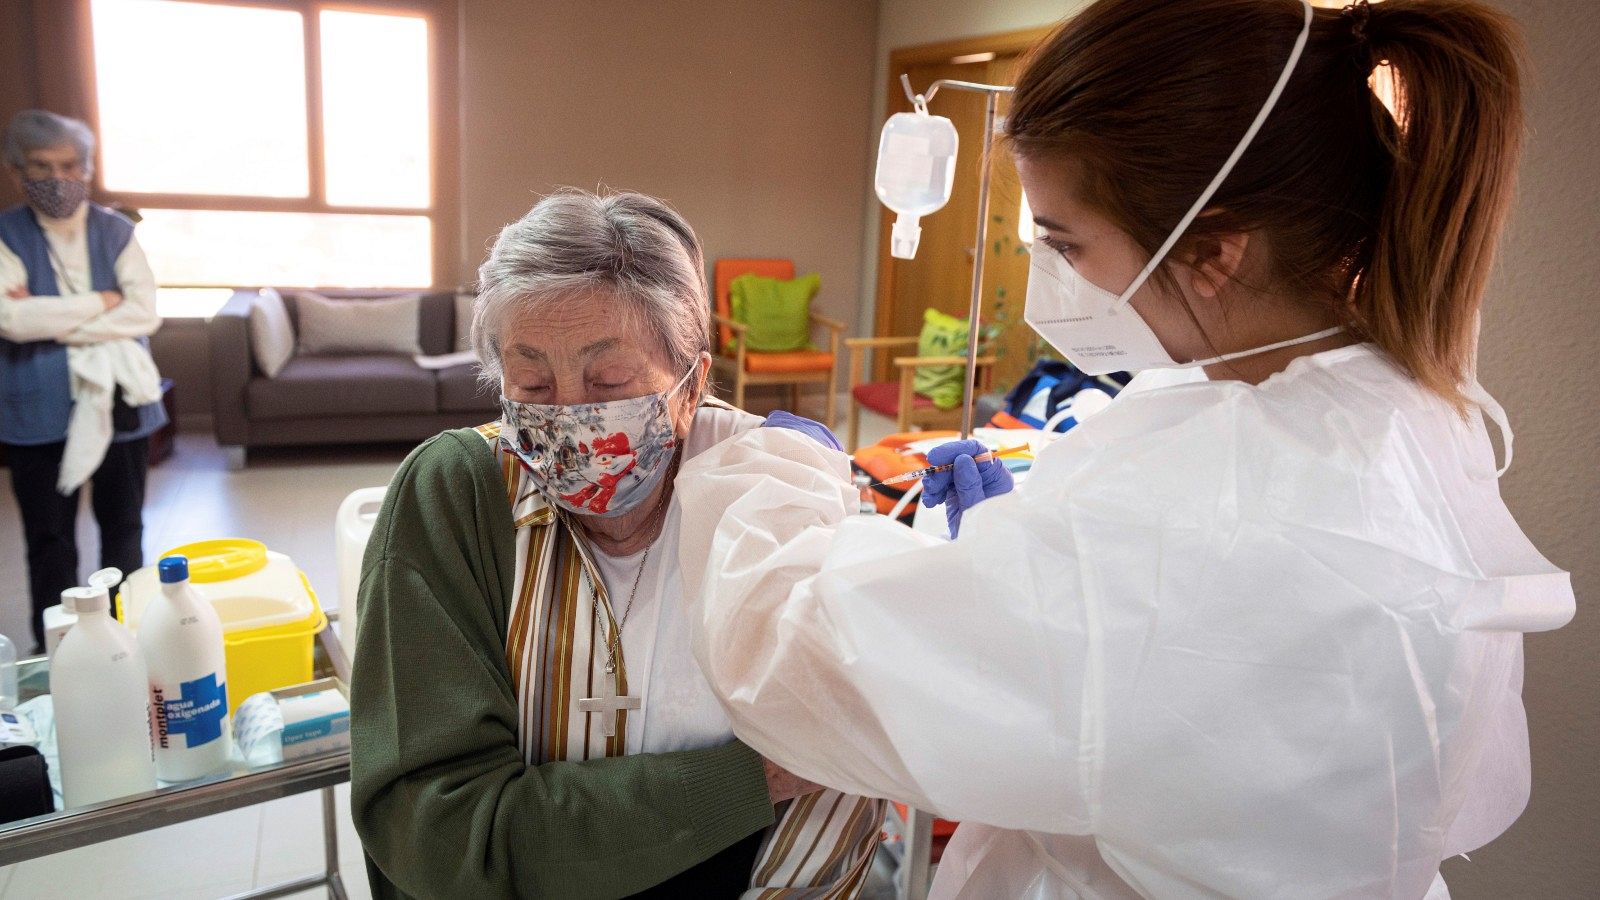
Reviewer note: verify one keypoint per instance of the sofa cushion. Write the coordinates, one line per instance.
(313, 386)
(435, 315)
(460, 391)
(339, 327)
(271, 333)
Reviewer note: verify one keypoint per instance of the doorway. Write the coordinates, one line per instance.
(941, 275)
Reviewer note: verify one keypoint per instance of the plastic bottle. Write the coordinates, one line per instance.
(916, 168)
(8, 674)
(351, 529)
(100, 688)
(182, 641)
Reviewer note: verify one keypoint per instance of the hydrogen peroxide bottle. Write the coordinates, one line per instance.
(100, 688)
(181, 636)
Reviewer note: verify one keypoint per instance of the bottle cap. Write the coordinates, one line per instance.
(81, 600)
(108, 578)
(174, 569)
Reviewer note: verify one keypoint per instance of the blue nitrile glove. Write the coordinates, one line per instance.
(814, 430)
(967, 483)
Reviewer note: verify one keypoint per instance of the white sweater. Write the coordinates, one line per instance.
(102, 348)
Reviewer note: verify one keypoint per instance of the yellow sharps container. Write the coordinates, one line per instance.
(270, 615)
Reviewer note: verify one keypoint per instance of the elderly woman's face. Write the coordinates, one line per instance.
(590, 350)
(61, 161)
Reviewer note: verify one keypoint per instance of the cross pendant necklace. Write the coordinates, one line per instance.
(608, 704)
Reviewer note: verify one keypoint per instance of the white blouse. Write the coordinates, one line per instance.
(679, 711)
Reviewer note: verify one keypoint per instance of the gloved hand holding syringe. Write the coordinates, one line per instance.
(915, 474)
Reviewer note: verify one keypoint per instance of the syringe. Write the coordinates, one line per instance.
(928, 470)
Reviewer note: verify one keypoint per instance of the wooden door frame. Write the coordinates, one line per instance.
(1002, 44)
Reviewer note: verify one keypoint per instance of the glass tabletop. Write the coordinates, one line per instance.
(239, 786)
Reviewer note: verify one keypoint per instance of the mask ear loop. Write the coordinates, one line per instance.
(1227, 167)
(1494, 412)
(667, 398)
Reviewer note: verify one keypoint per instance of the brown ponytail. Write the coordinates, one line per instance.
(1390, 224)
(1459, 104)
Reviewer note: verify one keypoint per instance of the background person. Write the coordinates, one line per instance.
(79, 303)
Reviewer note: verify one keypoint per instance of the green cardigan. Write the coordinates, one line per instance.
(440, 795)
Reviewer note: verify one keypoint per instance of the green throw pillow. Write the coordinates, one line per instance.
(942, 335)
(777, 311)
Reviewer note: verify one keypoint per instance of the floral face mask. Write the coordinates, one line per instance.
(594, 459)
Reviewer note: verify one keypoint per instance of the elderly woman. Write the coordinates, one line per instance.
(529, 718)
(79, 394)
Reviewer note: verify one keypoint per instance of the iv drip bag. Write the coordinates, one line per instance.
(916, 165)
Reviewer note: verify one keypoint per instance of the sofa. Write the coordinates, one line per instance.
(354, 399)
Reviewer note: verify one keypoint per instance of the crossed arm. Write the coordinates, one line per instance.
(88, 317)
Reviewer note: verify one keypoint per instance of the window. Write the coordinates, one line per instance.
(295, 144)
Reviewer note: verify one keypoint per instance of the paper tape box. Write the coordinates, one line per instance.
(316, 718)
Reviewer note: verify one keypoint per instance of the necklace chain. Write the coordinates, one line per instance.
(637, 576)
(594, 592)
(594, 598)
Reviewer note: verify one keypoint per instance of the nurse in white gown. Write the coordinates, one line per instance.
(1255, 635)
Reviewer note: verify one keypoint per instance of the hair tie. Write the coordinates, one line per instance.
(1358, 13)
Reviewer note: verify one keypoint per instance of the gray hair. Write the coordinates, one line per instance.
(573, 242)
(37, 129)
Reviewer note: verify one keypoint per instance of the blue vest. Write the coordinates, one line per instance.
(35, 386)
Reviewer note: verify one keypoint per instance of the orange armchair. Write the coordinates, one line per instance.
(745, 367)
(898, 399)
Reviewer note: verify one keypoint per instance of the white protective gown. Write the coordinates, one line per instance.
(1225, 641)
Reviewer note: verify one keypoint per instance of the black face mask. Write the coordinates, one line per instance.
(57, 198)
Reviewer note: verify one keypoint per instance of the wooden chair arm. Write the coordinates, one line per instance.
(825, 322)
(909, 363)
(865, 342)
(736, 327)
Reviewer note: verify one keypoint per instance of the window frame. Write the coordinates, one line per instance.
(443, 208)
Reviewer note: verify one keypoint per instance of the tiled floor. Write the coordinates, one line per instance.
(287, 500)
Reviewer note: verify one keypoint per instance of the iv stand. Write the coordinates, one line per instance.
(914, 879)
(920, 101)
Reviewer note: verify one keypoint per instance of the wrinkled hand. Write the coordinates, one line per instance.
(20, 292)
(814, 430)
(967, 483)
(783, 784)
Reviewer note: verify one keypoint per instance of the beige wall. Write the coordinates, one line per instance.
(748, 117)
(1539, 350)
(1541, 331)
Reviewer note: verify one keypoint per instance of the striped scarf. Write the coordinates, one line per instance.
(823, 843)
